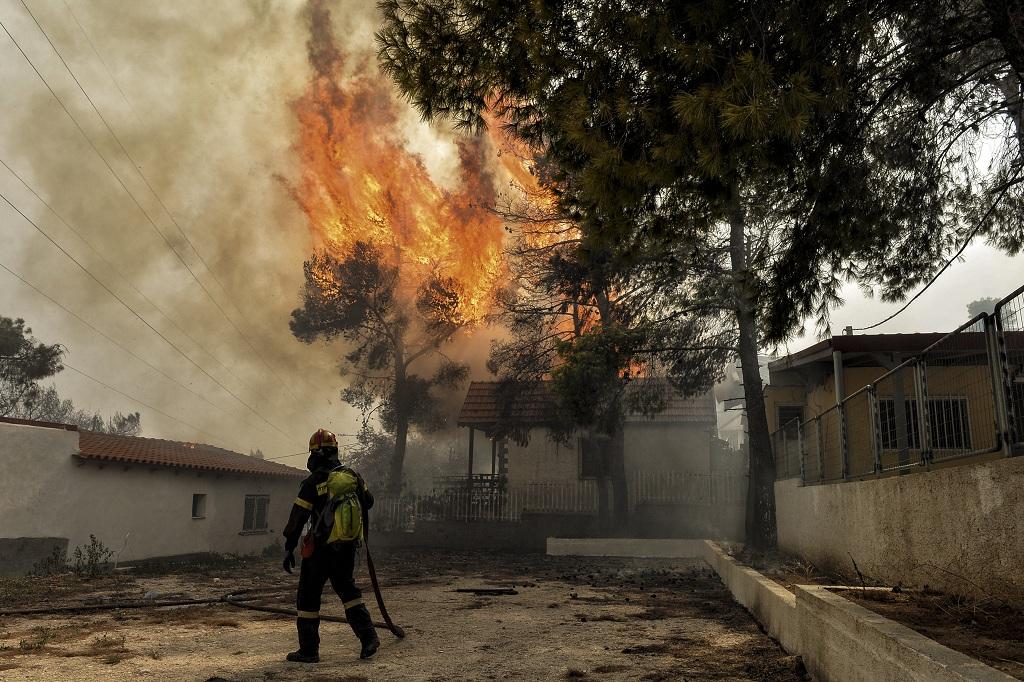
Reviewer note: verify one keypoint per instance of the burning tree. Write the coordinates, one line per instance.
(608, 333)
(396, 339)
(402, 260)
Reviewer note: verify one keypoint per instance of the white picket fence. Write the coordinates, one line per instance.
(555, 497)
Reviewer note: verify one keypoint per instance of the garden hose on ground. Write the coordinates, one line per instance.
(238, 598)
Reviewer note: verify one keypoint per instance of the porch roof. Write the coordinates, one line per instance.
(535, 405)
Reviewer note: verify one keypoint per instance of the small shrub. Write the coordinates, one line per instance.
(89, 561)
(42, 637)
(56, 563)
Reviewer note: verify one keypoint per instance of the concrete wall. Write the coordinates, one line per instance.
(45, 492)
(659, 446)
(542, 459)
(654, 446)
(528, 535)
(955, 529)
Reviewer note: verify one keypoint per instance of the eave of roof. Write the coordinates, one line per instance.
(132, 450)
(857, 343)
(536, 407)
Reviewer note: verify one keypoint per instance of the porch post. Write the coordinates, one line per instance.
(494, 456)
(469, 477)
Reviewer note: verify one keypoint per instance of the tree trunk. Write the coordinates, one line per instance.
(617, 475)
(760, 521)
(401, 429)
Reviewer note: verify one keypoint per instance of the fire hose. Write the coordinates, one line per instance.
(395, 630)
(237, 598)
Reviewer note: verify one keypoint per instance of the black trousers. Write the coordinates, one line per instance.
(335, 563)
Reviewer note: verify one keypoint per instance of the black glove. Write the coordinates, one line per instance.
(289, 562)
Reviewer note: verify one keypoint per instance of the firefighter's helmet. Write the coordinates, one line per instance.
(322, 439)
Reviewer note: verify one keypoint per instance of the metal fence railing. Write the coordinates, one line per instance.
(961, 393)
(685, 487)
(554, 497)
(786, 446)
(962, 396)
(897, 394)
(1009, 321)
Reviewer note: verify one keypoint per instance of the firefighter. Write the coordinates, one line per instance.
(323, 556)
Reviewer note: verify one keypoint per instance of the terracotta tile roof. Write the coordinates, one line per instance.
(156, 452)
(482, 407)
(167, 453)
(535, 405)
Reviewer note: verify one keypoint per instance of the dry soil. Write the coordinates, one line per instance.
(597, 619)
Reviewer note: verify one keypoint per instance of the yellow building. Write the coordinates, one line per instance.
(880, 378)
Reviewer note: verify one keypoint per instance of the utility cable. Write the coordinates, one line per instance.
(110, 339)
(99, 254)
(142, 319)
(137, 400)
(145, 180)
(106, 68)
(109, 167)
(963, 247)
(120, 181)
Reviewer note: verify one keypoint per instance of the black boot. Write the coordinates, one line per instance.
(359, 618)
(309, 641)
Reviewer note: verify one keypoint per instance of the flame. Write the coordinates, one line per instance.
(359, 181)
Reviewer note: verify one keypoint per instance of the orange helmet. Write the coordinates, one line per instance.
(321, 439)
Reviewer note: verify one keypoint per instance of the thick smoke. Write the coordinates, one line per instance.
(200, 95)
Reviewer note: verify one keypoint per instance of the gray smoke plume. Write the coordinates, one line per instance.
(198, 94)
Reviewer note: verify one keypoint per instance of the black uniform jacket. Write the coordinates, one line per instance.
(310, 502)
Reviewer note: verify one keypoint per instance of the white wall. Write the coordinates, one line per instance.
(956, 529)
(649, 446)
(46, 492)
(659, 446)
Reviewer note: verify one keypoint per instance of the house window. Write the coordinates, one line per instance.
(255, 520)
(199, 506)
(787, 414)
(593, 458)
(949, 421)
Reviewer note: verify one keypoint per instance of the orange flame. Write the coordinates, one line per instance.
(359, 181)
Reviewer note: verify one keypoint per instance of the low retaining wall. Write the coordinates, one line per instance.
(18, 556)
(926, 527)
(771, 604)
(844, 641)
(840, 641)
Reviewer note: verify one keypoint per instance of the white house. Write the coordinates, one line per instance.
(141, 497)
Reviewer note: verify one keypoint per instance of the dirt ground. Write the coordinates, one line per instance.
(598, 619)
(992, 633)
(989, 631)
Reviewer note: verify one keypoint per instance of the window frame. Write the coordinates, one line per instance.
(962, 435)
(200, 507)
(251, 514)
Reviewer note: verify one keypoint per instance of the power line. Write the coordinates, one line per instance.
(106, 162)
(137, 315)
(102, 61)
(109, 338)
(137, 400)
(963, 247)
(306, 452)
(117, 270)
(138, 170)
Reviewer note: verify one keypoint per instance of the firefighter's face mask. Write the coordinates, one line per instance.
(322, 458)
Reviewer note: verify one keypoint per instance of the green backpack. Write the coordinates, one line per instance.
(342, 517)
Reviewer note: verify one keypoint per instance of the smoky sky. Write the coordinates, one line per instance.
(198, 95)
